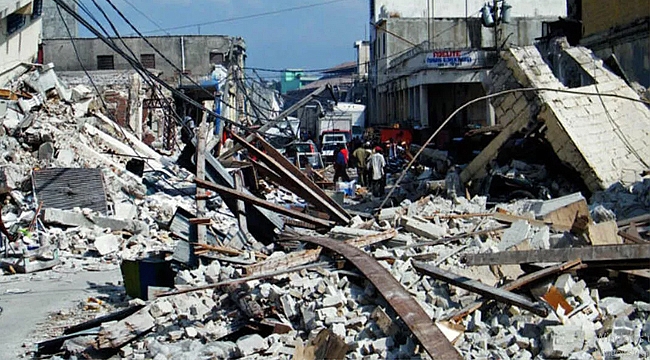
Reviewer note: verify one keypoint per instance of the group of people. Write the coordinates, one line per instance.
(370, 164)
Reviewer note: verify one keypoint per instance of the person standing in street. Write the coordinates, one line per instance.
(341, 165)
(376, 165)
(361, 154)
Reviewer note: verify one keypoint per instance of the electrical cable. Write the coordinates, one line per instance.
(146, 17)
(180, 72)
(251, 16)
(154, 88)
(135, 64)
(487, 97)
(74, 47)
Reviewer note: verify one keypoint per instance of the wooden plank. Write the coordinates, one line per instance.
(115, 335)
(556, 300)
(200, 221)
(510, 218)
(289, 260)
(478, 287)
(637, 219)
(452, 238)
(326, 345)
(519, 283)
(262, 203)
(366, 240)
(564, 217)
(627, 253)
(605, 233)
(244, 279)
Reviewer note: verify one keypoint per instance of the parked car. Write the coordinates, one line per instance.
(291, 150)
(329, 151)
(314, 159)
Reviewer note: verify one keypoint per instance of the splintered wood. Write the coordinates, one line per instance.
(363, 241)
(284, 262)
(115, 334)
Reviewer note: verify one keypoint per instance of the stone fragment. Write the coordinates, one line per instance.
(427, 230)
(514, 235)
(288, 306)
(107, 244)
(541, 239)
(564, 283)
(562, 340)
(191, 332)
(250, 344)
(160, 308)
(212, 272)
(614, 306)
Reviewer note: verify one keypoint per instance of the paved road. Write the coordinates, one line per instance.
(49, 291)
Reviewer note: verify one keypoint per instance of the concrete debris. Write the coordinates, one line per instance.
(75, 194)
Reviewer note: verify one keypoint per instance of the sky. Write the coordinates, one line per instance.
(320, 36)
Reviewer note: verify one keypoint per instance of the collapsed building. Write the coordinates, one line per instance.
(253, 259)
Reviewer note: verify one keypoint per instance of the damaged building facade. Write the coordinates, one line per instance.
(194, 55)
(621, 28)
(429, 58)
(126, 253)
(20, 35)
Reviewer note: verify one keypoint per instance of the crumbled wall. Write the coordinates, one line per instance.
(603, 138)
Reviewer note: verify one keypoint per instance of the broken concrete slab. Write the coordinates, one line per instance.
(71, 218)
(427, 229)
(107, 244)
(514, 235)
(578, 127)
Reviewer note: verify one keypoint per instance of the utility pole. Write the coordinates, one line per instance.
(200, 175)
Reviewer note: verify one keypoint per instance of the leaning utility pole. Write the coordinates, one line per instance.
(202, 136)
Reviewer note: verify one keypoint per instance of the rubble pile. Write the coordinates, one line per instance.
(290, 273)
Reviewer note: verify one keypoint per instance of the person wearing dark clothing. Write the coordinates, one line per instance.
(341, 165)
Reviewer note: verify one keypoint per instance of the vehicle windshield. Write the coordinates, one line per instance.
(304, 147)
(334, 138)
(314, 159)
(327, 147)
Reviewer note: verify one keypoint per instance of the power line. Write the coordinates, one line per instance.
(251, 16)
(74, 47)
(146, 17)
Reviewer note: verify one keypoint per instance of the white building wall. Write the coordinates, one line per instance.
(467, 8)
(20, 46)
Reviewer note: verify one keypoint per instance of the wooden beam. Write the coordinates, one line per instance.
(289, 260)
(478, 287)
(262, 203)
(452, 238)
(363, 241)
(243, 279)
(606, 253)
(521, 282)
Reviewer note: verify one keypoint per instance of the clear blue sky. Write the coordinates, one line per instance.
(316, 37)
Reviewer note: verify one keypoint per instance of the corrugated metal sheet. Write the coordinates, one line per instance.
(66, 188)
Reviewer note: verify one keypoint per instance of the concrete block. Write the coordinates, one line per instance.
(251, 344)
(561, 341)
(614, 306)
(71, 218)
(160, 308)
(328, 312)
(332, 301)
(339, 330)
(212, 272)
(424, 229)
(107, 244)
(514, 235)
(541, 239)
(191, 332)
(564, 283)
(288, 306)
(382, 345)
